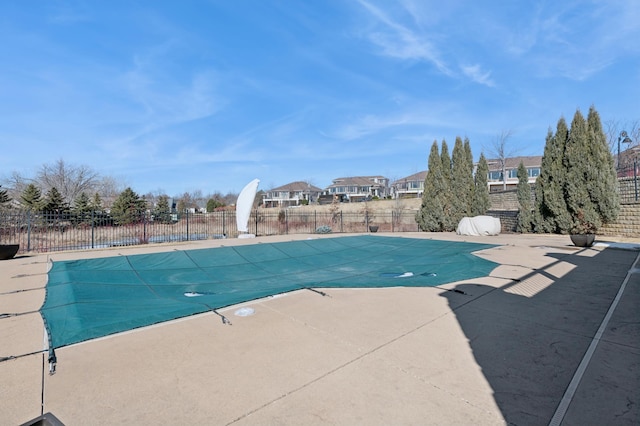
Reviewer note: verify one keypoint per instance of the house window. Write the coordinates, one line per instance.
(534, 172)
(513, 173)
(496, 175)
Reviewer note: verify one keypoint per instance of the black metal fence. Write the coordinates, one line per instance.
(628, 183)
(44, 232)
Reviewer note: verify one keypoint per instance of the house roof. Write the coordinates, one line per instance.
(414, 177)
(356, 181)
(514, 162)
(296, 187)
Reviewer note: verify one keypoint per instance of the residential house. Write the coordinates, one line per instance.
(495, 178)
(291, 194)
(359, 188)
(410, 186)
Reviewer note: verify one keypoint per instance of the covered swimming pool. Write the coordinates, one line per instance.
(91, 298)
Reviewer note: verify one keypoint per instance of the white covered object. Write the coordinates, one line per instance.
(244, 205)
(479, 225)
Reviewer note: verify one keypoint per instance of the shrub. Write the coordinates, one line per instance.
(323, 229)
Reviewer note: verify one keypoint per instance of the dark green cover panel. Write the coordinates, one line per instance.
(91, 298)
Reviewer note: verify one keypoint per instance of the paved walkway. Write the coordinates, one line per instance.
(516, 347)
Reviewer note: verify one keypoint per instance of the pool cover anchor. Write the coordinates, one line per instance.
(225, 320)
(53, 360)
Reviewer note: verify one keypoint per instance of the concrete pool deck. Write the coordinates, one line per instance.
(516, 347)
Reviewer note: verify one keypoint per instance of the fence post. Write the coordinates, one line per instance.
(392, 221)
(315, 221)
(186, 213)
(29, 230)
(256, 222)
(144, 227)
(341, 229)
(223, 223)
(93, 227)
(635, 177)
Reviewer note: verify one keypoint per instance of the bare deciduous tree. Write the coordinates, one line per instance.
(613, 131)
(70, 181)
(499, 151)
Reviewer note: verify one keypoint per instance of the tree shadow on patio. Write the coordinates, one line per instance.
(529, 338)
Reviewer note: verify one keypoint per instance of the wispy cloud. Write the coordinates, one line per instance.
(475, 73)
(399, 41)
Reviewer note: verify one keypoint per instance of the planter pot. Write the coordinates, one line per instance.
(373, 228)
(7, 251)
(583, 240)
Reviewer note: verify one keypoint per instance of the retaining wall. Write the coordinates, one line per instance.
(504, 205)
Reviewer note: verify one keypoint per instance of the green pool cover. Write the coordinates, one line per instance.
(86, 299)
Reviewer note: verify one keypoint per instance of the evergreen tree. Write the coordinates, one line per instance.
(162, 212)
(585, 217)
(551, 214)
(214, 203)
(430, 217)
(461, 182)
(481, 203)
(54, 202)
(128, 207)
(32, 197)
(82, 204)
(470, 185)
(525, 216)
(448, 220)
(96, 203)
(4, 197)
(590, 188)
(601, 176)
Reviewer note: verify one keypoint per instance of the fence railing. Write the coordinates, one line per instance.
(46, 232)
(628, 183)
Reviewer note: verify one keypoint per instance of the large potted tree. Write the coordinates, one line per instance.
(583, 232)
(591, 191)
(577, 189)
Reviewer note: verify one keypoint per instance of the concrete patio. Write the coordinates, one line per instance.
(547, 338)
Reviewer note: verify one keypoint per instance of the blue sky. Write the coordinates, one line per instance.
(179, 96)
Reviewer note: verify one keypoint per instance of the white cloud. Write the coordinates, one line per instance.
(475, 73)
(399, 41)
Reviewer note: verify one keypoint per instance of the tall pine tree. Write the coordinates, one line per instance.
(461, 182)
(582, 210)
(468, 172)
(551, 214)
(128, 207)
(525, 216)
(54, 202)
(430, 217)
(162, 212)
(481, 202)
(602, 179)
(96, 203)
(82, 204)
(448, 221)
(32, 197)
